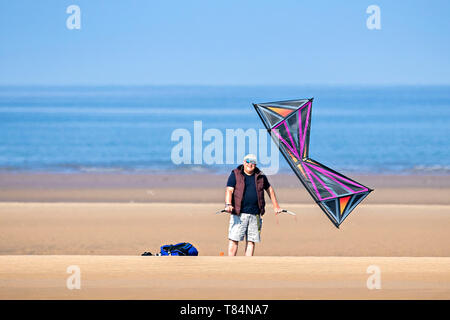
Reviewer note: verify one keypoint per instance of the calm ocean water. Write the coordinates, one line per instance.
(402, 130)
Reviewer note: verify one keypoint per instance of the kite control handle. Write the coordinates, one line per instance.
(284, 211)
(288, 212)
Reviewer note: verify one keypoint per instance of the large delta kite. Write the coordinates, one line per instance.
(289, 122)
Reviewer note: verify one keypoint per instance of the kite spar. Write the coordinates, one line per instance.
(289, 124)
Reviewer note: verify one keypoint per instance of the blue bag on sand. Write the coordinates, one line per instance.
(179, 249)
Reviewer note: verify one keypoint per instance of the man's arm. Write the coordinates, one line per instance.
(228, 198)
(273, 197)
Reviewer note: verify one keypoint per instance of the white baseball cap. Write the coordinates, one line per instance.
(250, 157)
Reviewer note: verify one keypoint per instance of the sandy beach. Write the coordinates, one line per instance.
(102, 223)
(156, 278)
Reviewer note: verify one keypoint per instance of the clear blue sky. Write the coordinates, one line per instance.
(224, 43)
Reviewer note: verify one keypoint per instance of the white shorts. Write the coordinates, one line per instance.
(245, 225)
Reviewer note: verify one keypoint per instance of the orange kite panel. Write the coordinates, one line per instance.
(343, 201)
(281, 111)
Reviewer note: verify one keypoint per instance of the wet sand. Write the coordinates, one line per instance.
(102, 223)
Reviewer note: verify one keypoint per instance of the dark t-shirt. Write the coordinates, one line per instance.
(250, 199)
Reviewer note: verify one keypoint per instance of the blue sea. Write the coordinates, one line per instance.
(368, 130)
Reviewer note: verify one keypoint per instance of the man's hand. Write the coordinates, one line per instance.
(277, 210)
(229, 208)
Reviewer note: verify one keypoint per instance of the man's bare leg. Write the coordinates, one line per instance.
(232, 247)
(250, 249)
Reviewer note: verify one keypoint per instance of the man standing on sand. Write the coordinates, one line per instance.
(244, 199)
